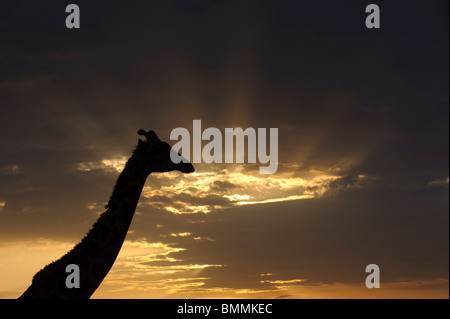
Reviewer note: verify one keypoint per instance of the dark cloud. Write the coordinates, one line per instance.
(223, 185)
(348, 233)
(344, 183)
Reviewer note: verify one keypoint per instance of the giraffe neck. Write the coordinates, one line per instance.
(97, 251)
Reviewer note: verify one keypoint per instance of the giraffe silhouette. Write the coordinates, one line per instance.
(97, 251)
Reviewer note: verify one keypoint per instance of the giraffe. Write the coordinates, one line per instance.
(96, 252)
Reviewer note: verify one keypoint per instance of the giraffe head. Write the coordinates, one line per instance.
(156, 155)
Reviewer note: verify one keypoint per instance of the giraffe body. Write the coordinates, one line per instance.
(97, 251)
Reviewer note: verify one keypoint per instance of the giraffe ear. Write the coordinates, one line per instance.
(150, 136)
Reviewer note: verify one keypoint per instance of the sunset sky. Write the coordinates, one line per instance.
(363, 144)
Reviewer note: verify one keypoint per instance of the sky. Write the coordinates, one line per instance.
(363, 134)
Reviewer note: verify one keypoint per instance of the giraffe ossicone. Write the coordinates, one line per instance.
(96, 253)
